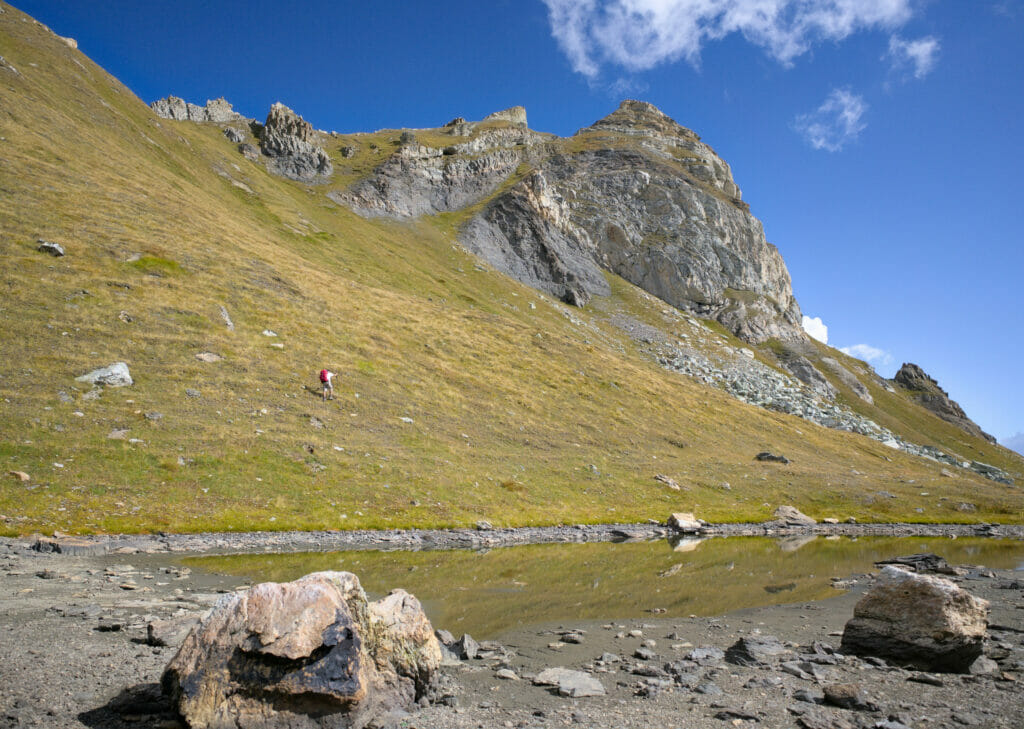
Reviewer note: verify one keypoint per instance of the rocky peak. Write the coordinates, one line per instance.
(216, 110)
(927, 392)
(289, 141)
(653, 204)
(634, 117)
(283, 122)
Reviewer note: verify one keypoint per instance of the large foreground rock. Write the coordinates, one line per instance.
(918, 620)
(303, 654)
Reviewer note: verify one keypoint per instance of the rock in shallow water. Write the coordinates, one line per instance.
(309, 653)
(922, 621)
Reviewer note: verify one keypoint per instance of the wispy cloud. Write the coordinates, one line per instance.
(914, 58)
(835, 123)
(1015, 442)
(816, 328)
(637, 35)
(872, 355)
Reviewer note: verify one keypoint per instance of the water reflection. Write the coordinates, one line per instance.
(485, 593)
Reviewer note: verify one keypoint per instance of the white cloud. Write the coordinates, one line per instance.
(816, 328)
(914, 57)
(1015, 442)
(835, 123)
(866, 352)
(640, 34)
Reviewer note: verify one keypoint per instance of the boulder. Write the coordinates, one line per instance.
(792, 515)
(54, 249)
(770, 457)
(923, 621)
(304, 654)
(684, 521)
(113, 375)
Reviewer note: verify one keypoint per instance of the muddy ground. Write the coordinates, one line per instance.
(73, 642)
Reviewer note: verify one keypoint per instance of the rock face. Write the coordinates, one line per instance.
(289, 141)
(309, 653)
(919, 620)
(849, 379)
(635, 194)
(217, 110)
(529, 234)
(927, 392)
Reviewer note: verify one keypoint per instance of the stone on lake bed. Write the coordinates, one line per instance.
(926, 622)
(574, 684)
(308, 653)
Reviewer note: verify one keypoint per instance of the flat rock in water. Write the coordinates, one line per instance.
(924, 562)
(574, 684)
(927, 622)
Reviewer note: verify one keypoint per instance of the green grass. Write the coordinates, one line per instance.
(511, 405)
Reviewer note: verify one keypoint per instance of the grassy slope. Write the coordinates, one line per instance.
(520, 416)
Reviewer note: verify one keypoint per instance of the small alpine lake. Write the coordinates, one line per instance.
(488, 592)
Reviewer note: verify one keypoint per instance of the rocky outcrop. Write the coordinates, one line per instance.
(288, 141)
(919, 620)
(635, 194)
(217, 110)
(514, 115)
(309, 653)
(927, 392)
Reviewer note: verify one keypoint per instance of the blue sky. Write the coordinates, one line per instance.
(879, 141)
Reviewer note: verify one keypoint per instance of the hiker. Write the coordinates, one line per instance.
(325, 379)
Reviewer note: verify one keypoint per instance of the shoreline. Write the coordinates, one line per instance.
(466, 538)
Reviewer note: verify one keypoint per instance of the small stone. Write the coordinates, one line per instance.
(506, 674)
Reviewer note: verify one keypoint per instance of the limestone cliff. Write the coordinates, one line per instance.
(635, 194)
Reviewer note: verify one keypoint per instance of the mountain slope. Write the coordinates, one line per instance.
(464, 394)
